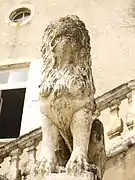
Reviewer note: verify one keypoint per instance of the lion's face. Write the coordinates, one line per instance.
(65, 51)
(66, 41)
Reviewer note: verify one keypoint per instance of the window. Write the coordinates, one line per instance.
(20, 14)
(12, 94)
(14, 76)
(11, 112)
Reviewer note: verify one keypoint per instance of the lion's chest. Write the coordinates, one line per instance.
(60, 111)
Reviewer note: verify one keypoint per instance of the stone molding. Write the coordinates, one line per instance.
(119, 93)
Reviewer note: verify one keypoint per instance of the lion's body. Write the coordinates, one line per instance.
(61, 107)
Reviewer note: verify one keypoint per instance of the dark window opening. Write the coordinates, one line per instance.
(11, 112)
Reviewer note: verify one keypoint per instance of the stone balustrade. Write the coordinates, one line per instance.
(15, 149)
(117, 127)
(111, 101)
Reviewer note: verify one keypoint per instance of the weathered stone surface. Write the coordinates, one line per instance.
(67, 102)
(121, 164)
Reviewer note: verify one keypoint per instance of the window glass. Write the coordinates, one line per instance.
(26, 14)
(4, 77)
(18, 17)
(20, 75)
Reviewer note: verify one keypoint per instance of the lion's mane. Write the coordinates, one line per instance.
(71, 27)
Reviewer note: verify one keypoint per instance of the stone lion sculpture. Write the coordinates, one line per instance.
(71, 137)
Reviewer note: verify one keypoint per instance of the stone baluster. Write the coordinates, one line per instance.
(116, 123)
(130, 121)
(31, 150)
(14, 171)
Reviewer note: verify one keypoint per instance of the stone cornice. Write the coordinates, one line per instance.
(14, 65)
(118, 93)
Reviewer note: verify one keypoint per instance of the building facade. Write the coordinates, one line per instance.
(111, 25)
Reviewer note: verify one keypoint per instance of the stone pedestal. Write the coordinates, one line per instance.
(63, 176)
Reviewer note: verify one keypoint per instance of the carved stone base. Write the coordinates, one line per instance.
(63, 176)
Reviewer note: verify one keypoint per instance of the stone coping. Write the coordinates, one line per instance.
(119, 93)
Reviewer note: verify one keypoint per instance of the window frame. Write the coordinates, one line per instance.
(20, 11)
(17, 85)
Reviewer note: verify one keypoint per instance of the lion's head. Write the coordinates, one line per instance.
(67, 31)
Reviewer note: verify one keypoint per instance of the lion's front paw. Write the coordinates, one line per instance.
(77, 163)
(44, 167)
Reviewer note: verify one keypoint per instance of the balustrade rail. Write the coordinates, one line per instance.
(30, 142)
(113, 100)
